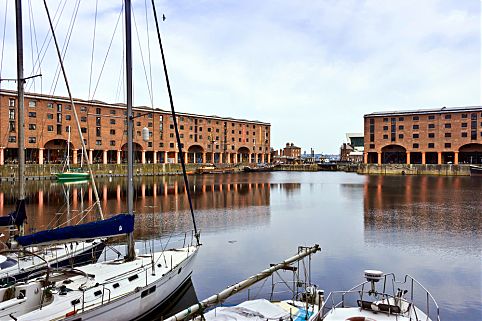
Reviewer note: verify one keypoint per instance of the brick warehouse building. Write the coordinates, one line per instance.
(206, 139)
(426, 136)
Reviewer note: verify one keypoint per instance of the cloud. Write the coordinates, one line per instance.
(311, 69)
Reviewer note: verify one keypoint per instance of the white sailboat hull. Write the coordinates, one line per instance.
(132, 300)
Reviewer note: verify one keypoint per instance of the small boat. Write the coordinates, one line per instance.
(475, 170)
(394, 301)
(69, 174)
(303, 305)
(259, 168)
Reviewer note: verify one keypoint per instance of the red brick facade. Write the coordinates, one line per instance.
(432, 136)
(206, 139)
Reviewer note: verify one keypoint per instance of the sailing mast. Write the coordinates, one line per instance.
(21, 112)
(131, 254)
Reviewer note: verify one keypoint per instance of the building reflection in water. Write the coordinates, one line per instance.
(161, 203)
(424, 210)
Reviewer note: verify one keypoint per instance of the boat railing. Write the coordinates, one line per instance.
(388, 279)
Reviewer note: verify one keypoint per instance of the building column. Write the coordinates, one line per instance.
(212, 157)
(379, 161)
(176, 158)
(118, 157)
(185, 157)
(91, 156)
(104, 157)
(423, 159)
(221, 158)
(408, 157)
(269, 158)
(262, 158)
(143, 157)
(74, 156)
(165, 157)
(236, 158)
(439, 158)
(154, 157)
(456, 158)
(194, 158)
(40, 156)
(365, 158)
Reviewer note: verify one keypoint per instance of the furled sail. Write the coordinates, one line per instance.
(119, 224)
(17, 217)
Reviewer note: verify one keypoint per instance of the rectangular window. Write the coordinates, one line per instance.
(385, 127)
(431, 117)
(431, 145)
(97, 121)
(83, 108)
(401, 119)
(415, 136)
(11, 126)
(415, 126)
(400, 127)
(416, 118)
(97, 111)
(385, 136)
(385, 120)
(68, 107)
(464, 115)
(372, 121)
(448, 116)
(11, 102)
(32, 114)
(59, 129)
(112, 121)
(464, 125)
(112, 131)
(464, 134)
(83, 119)
(171, 145)
(11, 114)
(97, 132)
(372, 145)
(68, 129)
(431, 126)
(473, 135)
(32, 126)
(448, 134)
(32, 103)
(448, 126)
(59, 118)
(50, 116)
(59, 108)
(32, 140)
(448, 145)
(50, 128)
(431, 135)
(150, 124)
(12, 139)
(415, 145)
(98, 142)
(181, 127)
(400, 136)
(68, 117)
(112, 111)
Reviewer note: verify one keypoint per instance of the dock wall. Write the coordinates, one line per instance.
(414, 169)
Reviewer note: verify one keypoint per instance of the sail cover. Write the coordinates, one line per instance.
(17, 217)
(119, 224)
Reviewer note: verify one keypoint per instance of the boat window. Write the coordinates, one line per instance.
(115, 285)
(98, 292)
(148, 291)
(132, 277)
(74, 302)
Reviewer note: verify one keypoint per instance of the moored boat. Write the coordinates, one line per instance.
(475, 170)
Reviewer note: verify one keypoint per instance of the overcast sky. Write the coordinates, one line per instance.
(310, 68)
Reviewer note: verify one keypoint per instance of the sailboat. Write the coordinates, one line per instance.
(121, 289)
(29, 255)
(68, 173)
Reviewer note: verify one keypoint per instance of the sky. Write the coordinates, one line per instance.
(311, 69)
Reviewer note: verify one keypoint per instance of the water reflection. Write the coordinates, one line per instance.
(161, 203)
(422, 211)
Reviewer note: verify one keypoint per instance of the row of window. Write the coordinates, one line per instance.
(431, 145)
(432, 135)
(432, 126)
(431, 117)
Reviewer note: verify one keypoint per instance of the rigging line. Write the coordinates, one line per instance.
(108, 51)
(142, 56)
(149, 53)
(93, 47)
(48, 39)
(31, 40)
(36, 45)
(68, 36)
(186, 181)
(84, 150)
(3, 38)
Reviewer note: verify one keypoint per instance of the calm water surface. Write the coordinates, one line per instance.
(429, 227)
